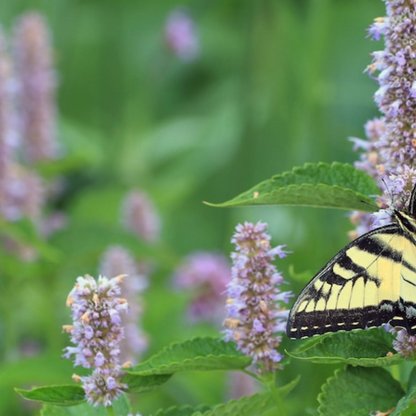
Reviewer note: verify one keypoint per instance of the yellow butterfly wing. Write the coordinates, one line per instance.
(372, 281)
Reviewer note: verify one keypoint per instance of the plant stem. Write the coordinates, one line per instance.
(251, 374)
(110, 411)
(271, 384)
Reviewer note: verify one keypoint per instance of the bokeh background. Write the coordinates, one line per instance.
(273, 84)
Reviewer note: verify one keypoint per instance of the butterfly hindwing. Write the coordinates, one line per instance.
(370, 282)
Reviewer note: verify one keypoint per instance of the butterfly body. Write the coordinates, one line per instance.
(372, 281)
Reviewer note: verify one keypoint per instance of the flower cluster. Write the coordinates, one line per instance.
(27, 125)
(115, 261)
(389, 152)
(7, 128)
(139, 216)
(181, 36)
(397, 89)
(253, 314)
(96, 333)
(206, 275)
(36, 88)
(404, 343)
(21, 190)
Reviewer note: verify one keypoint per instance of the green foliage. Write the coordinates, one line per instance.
(357, 391)
(58, 395)
(121, 407)
(316, 185)
(132, 115)
(370, 348)
(50, 169)
(256, 404)
(408, 398)
(183, 410)
(199, 354)
(140, 384)
(246, 406)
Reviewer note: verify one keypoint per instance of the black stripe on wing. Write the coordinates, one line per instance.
(320, 322)
(373, 246)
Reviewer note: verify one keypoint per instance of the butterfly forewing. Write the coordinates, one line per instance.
(372, 281)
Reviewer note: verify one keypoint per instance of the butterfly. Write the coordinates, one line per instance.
(370, 282)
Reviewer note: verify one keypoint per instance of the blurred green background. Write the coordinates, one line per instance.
(276, 84)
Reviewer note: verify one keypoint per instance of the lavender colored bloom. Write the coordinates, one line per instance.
(117, 260)
(253, 324)
(25, 195)
(140, 217)
(102, 388)
(390, 150)
(96, 336)
(8, 137)
(205, 274)
(21, 190)
(36, 88)
(396, 143)
(181, 36)
(378, 28)
(404, 343)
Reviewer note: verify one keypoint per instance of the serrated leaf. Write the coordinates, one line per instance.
(244, 406)
(333, 185)
(198, 354)
(139, 383)
(407, 399)
(357, 391)
(121, 407)
(64, 395)
(368, 348)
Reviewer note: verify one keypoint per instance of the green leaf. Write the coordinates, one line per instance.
(68, 164)
(64, 395)
(121, 407)
(198, 354)
(183, 410)
(368, 348)
(245, 406)
(317, 185)
(287, 388)
(139, 384)
(407, 399)
(357, 391)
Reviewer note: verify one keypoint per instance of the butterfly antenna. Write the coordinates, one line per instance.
(392, 196)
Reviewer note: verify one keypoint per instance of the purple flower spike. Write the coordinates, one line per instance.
(36, 88)
(391, 144)
(253, 315)
(96, 335)
(139, 216)
(205, 275)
